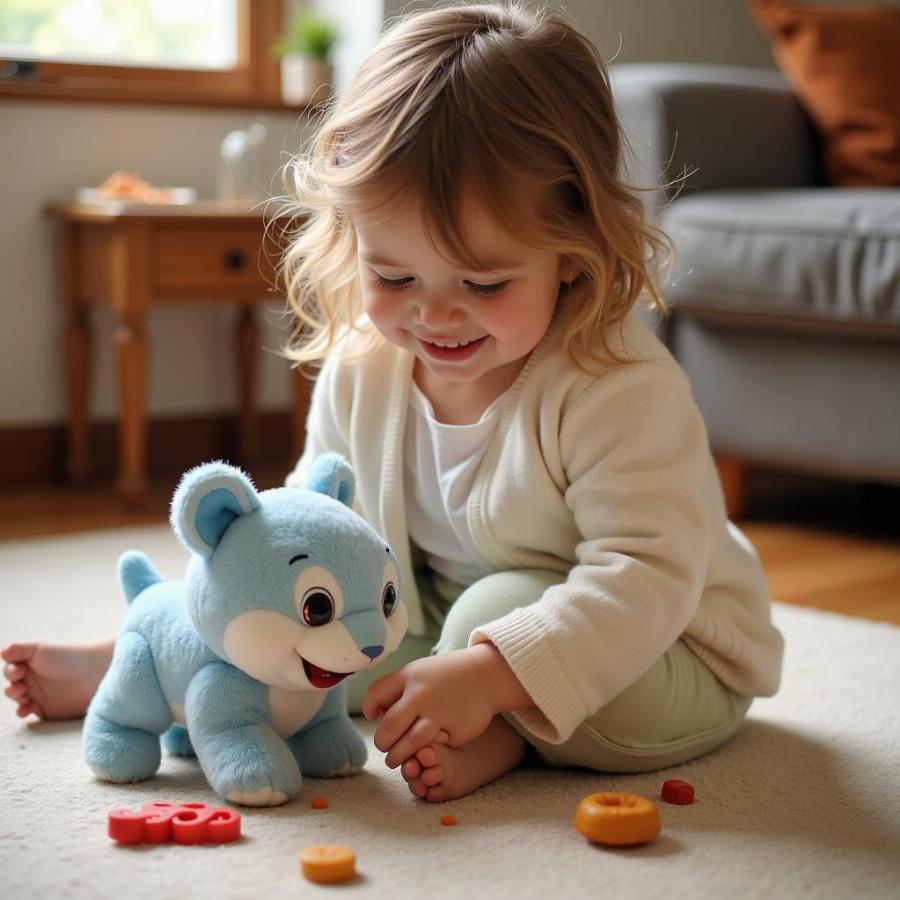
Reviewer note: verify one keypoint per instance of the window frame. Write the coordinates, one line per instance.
(255, 81)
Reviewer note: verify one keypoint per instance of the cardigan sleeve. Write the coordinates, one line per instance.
(642, 488)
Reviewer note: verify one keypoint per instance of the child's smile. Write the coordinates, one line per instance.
(452, 350)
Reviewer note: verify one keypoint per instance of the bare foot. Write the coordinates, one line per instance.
(52, 679)
(441, 772)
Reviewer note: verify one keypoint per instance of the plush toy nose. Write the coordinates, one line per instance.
(374, 651)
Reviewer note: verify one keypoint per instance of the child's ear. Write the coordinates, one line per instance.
(331, 474)
(570, 269)
(207, 501)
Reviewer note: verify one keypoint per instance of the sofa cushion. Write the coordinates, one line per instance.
(816, 258)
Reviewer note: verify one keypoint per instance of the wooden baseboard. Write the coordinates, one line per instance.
(35, 455)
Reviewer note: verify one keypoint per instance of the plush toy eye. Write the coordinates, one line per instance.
(318, 607)
(389, 599)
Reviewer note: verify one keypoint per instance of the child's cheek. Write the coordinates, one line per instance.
(376, 304)
(383, 310)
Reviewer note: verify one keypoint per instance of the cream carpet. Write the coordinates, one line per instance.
(804, 802)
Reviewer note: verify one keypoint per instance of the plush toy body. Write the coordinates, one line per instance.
(287, 593)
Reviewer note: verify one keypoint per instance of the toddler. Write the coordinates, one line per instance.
(468, 272)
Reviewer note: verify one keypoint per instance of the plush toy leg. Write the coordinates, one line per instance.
(177, 742)
(126, 716)
(330, 745)
(240, 753)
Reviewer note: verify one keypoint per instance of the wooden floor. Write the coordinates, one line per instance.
(827, 545)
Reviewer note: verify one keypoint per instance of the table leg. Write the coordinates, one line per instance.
(131, 347)
(248, 353)
(77, 344)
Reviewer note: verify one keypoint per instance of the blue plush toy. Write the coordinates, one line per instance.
(288, 591)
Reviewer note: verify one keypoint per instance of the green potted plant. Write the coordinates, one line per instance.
(305, 51)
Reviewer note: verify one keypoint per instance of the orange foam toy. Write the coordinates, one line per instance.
(617, 819)
(328, 863)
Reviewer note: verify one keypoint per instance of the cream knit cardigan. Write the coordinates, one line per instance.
(608, 481)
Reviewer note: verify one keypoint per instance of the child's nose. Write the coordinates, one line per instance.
(438, 313)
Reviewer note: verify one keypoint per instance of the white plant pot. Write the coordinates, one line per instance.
(305, 80)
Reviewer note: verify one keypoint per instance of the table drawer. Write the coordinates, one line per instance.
(213, 262)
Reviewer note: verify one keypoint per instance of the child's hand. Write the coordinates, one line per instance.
(445, 693)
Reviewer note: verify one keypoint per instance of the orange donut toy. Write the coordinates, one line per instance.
(617, 819)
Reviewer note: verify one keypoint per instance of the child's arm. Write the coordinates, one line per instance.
(457, 693)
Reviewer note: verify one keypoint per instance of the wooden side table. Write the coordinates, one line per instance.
(136, 256)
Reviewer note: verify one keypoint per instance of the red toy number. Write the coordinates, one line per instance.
(183, 823)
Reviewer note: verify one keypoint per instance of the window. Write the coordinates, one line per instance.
(173, 51)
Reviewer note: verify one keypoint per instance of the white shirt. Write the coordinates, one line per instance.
(440, 463)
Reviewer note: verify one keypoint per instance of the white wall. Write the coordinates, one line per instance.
(47, 150)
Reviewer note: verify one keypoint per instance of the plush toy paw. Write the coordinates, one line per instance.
(249, 767)
(345, 770)
(264, 796)
(121, 755)
(177, 742)
(330, 750)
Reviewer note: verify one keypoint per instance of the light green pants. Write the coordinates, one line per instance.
(675, 711)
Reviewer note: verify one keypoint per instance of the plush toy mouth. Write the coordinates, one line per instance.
(322, 678)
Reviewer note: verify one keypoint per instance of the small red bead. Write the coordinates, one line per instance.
(678, 792)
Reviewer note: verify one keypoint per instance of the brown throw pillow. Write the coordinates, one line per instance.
(844, 65)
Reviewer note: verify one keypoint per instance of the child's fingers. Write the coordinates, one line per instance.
(382, 695)
(394, 724)
(422, 733)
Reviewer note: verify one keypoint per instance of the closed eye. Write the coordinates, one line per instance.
(391, 284)
(484, 290)
(487, 290)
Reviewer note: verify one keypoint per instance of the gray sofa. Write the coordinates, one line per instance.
(785, 293)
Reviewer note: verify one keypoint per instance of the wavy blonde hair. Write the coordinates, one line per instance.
(512, 103)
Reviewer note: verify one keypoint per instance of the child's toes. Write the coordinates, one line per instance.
(16, 690)
(14, 653)
(411, 769)
(427, 756)
(419, 789)
(433, 776)
(14, 672)
(28, 707)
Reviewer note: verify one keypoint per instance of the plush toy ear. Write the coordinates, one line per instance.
(206, 502)
(331, 474)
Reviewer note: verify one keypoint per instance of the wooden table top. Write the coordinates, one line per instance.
(115, 210)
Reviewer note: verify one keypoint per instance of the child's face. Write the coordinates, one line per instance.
(463, 326)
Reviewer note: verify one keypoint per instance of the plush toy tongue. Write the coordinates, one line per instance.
(321, 678)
